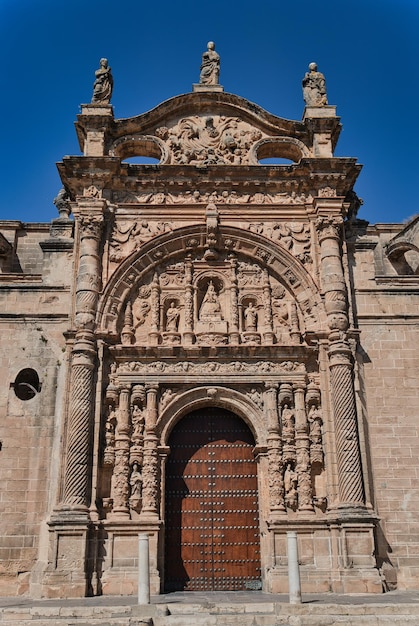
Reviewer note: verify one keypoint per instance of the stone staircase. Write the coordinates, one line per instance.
(213, 614)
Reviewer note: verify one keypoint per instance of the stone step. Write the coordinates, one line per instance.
(214, 614)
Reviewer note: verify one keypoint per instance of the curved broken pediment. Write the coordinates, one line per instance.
(205, 129)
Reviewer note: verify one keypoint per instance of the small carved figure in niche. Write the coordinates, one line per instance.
(210, 66)
(140, 309)
(110, 427)
(172, 318)
(290, 486)
(103, 85)
(138, 420)
(211, 307)
(288, 424)
(256, 397)
(166, 397)
(314, 87)
(136, 482)
(315, 421)
(250, 317)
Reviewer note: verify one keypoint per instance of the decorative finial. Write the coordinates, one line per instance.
(210, 66)
(314, 87)
(103, 85)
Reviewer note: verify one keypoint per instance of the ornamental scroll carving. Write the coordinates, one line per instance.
(294, 236)
(209, 140)
(260, 367)
(127, 237)
(201, 197)
(229, 301)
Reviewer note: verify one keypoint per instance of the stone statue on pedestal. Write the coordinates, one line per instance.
(210, 66)
(314, 87)
(103, 85)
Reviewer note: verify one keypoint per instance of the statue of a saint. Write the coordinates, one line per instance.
(314, 87)
(103, 85)
(172, 318)
(136, 482)
(210, 308)
(290, 486)
(288, 425)
(250, 317)
(210, 66)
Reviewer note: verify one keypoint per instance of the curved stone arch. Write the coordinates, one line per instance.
(190, 239)
(278, 147)
(140, 145)
(211, 396)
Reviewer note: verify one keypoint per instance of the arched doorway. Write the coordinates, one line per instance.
(212, 522)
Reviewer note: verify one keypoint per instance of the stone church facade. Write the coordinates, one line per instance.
(213, 351)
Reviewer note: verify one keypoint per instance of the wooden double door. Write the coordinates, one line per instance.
(212, 521)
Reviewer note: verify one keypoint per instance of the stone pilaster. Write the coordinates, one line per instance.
(268, 333)
(302, 444)
(275, 464)
(121, 471)
(150, 505)
(188, 335)
(234, 306)
(155, 311)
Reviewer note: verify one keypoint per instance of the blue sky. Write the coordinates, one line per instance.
(367, 49)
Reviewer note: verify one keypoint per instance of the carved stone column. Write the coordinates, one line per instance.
(268, 333)
(188, 334)
(275, 464)
(155, 311)
(302, 444)
(234, 307)
(76, 478)
(351, 488)
(121, 471)
(150, 507)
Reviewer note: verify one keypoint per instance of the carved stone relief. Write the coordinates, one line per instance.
(231, 302)
(209, 140)
(129, 236)
(294, 236)
(204, 197)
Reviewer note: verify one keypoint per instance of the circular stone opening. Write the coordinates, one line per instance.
(27, 384)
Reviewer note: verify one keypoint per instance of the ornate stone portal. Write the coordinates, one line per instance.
(210, 280)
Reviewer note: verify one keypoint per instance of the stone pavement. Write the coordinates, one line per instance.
(215, 609)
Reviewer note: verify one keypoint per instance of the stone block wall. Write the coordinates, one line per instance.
(387, 311)
(32, 322)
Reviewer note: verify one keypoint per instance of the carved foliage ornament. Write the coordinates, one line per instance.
(211, 140)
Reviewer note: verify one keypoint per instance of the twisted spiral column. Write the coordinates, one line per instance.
(76, 477)
(79, 433)
(351, 488)
(350, 479)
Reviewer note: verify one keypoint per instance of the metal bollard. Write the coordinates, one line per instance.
(294, 585)
(143, 569)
